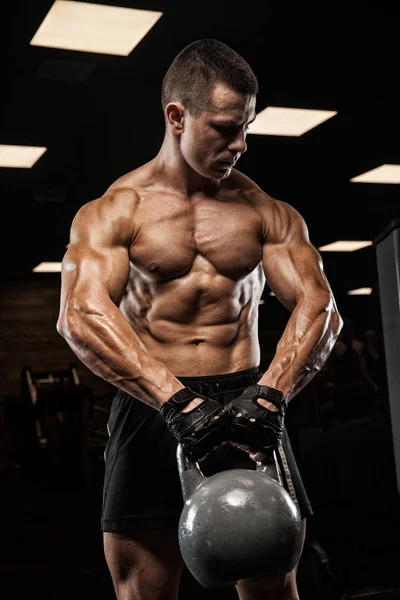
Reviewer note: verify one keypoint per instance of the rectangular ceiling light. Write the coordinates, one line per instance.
(47, 267)
(20, 157)
(382, 174)
(94, 27)
(345, 246)
(275, 120)
(364, 291)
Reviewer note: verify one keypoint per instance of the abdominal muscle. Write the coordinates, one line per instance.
(196, 332)
(204, 356)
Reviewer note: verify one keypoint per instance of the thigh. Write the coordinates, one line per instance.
(144, 564)
(141, 481)
(278, 588)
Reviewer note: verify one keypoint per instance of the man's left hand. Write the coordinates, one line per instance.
(257, 418)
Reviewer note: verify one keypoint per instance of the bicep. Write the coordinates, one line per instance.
(96, 264)
(294, 271)
(88, 274)
(292, 265)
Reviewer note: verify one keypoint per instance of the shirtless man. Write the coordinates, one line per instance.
(161, 285)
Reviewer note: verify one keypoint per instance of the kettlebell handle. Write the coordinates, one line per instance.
(191, 476)
(270, 466)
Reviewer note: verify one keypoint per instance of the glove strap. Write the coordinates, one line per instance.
(268, 393)
(177, 402)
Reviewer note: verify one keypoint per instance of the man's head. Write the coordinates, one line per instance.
(208, 96)
(198, 67)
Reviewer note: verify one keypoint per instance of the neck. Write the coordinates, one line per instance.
(170, 167)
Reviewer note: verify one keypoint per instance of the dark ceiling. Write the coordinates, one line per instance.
(100, 116)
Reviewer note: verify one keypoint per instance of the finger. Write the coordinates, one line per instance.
(202, 458)
(244, 448)
(240, 446)
(257, 456)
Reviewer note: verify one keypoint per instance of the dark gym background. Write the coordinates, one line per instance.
(100, 116)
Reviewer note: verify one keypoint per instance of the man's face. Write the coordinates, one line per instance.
(212, 143)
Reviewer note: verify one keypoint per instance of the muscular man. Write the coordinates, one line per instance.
(161, 285)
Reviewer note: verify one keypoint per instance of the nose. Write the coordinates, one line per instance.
(238, 145)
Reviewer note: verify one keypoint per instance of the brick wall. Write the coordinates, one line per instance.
(28, 336)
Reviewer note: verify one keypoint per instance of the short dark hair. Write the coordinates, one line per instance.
(194, 71)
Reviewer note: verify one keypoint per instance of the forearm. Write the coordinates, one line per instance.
(105, 342)
(304, 347)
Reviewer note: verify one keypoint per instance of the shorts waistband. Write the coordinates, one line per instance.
(224, 381)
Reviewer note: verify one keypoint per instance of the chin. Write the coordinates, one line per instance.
(221, 173)
(219, 176)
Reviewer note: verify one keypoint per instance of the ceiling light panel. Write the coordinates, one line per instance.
(345, 246)
(20, 157)
(48, 267)
(382, 174)
(275, 120)
(95, 28)
(364, 291)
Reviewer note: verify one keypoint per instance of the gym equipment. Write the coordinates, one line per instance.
(237, 524)
(56, 409)
(387, 246)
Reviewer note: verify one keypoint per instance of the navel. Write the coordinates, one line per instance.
(153, 267)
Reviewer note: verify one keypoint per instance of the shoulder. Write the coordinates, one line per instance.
(115, 202)
(280, 220)
(112, 215)
(122, 197)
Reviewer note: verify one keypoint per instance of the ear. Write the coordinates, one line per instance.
(174, 114)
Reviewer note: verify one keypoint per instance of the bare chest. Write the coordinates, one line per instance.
(175, 238)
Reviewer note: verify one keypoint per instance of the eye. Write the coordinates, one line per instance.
(230, 130)
(224, 128)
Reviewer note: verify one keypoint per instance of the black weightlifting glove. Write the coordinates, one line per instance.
(265, 431)
(199, 430)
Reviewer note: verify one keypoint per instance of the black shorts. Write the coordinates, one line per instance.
(141, 481)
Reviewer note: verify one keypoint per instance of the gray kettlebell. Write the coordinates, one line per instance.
(237, 524)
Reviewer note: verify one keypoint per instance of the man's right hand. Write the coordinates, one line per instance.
(199, 430)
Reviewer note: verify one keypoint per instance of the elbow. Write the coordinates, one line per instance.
(327, 305)
(62, 328)
(61, 324)
(67, 324)
(59, 327)
(336, 322)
